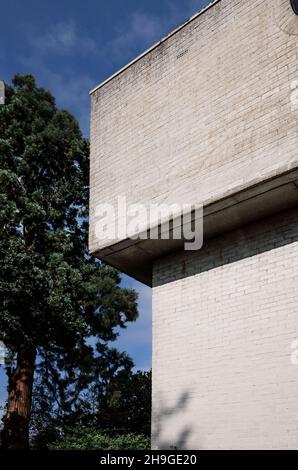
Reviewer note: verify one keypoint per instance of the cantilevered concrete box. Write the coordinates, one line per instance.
(209, 116)
(208, 113)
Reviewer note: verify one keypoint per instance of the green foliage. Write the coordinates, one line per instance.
(126, 404)
(53, 295)
(90, 439)
(55, 298)
(116, 402)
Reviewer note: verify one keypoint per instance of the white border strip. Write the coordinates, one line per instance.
(154, 46)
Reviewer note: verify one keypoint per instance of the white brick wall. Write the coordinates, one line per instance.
(204, 114)
(208, 112)
(224, 319)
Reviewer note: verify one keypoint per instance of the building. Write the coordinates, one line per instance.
(209, 116)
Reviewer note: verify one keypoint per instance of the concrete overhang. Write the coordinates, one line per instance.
(200, 127)
(135, 257)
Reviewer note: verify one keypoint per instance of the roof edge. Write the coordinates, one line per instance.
(147, 51)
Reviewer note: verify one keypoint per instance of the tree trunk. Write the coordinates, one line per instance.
(15, 434)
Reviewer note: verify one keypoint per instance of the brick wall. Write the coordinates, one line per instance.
(205, 113)
(212, 110)
(224, 319)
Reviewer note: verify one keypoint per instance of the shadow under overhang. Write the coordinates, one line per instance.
(135, 257)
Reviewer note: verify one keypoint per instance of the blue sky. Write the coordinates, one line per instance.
(71, 46)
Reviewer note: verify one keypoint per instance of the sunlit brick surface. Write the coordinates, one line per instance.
(207, 112)
(224, 320)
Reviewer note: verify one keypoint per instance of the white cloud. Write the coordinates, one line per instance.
(143, 30)
(63, 38)
(69, 88)
(71, 92)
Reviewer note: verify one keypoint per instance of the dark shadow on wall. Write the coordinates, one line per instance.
(253, 239)
(161, 416)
